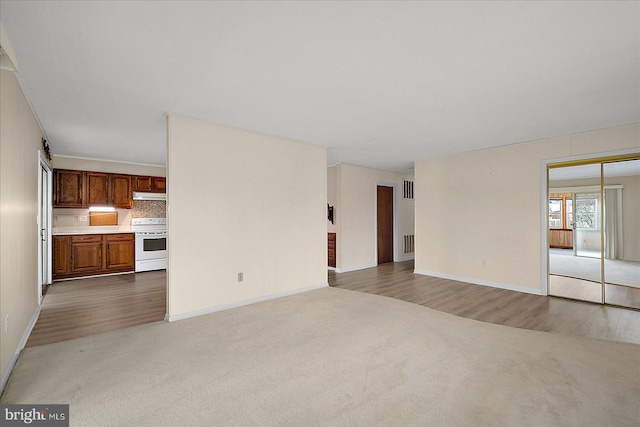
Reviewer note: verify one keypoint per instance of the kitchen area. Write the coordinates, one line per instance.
(107, 223)
(108, 252)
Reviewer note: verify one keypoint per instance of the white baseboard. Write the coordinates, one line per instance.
(360, 267)
(242, 303)
(332, 268)
(480, 282)
(23, 341)
(406, 258)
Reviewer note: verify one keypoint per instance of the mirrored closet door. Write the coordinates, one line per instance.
(594, 231)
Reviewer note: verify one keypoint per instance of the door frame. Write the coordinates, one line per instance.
(544, 179)
(42, 164)
(395, 219)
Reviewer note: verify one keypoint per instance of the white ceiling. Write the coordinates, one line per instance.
(380, 84)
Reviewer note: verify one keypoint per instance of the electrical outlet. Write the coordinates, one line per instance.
(82, 218)
(240, 277)
(6, 324)
(484, 262)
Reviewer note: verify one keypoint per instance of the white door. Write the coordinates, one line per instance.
(44, 226)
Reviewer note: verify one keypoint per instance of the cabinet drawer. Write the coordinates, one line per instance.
(86, 238)
(119, 237)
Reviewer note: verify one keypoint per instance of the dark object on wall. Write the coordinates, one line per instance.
(47, 149)
(330, 213)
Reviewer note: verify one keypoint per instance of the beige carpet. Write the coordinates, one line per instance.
(333, 357)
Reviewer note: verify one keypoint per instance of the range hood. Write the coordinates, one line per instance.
(149, 196)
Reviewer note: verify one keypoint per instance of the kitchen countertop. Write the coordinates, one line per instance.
(88, 229)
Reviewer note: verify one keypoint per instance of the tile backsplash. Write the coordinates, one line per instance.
(149, 209)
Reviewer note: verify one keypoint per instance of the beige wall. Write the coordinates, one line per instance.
(356, 230)
(488, 204)
(20, 140)
(630, 210)
(75, 163)
(239, 201)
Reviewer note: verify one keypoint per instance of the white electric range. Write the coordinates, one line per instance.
(151, 243)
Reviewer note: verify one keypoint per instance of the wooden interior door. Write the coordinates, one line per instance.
(385, 224)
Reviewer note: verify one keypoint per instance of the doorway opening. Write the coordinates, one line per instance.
(593, 220)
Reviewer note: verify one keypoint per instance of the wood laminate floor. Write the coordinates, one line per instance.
(77, 308)
(82, 307)
(493, 305)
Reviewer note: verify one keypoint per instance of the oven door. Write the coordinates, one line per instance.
(151, 245)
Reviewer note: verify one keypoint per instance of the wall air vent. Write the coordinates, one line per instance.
(409, 244)
(408, 190)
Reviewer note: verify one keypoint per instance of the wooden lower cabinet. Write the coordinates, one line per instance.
(81, 255)
(120, 251)
(86, 253)
(61, 255)
(331, 249)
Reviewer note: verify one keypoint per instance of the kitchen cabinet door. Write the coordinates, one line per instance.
(61, 255)
(159, 184)
(120, 251)
(98, 189)
(142, 183)
(331, 249)
(86, 253)
(121, 194)
(68, 189)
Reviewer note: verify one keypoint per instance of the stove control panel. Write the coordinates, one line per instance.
(149, 221)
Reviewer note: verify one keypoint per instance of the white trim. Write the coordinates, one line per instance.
(407, 258)
(16, 354)
(331, 268)
(110, 161)
(94, 276)
(544, 247)
(479, 282)
(242, 303)
(359, 267)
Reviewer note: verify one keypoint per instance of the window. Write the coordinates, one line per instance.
(587, 212)
(555, 213)
(569, 212)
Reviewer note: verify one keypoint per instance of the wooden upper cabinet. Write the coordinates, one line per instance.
(82, 189)
(159, 184)
(150, 184)
(142, 183)
(121, 191)
(69, 191)
(98, 189)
